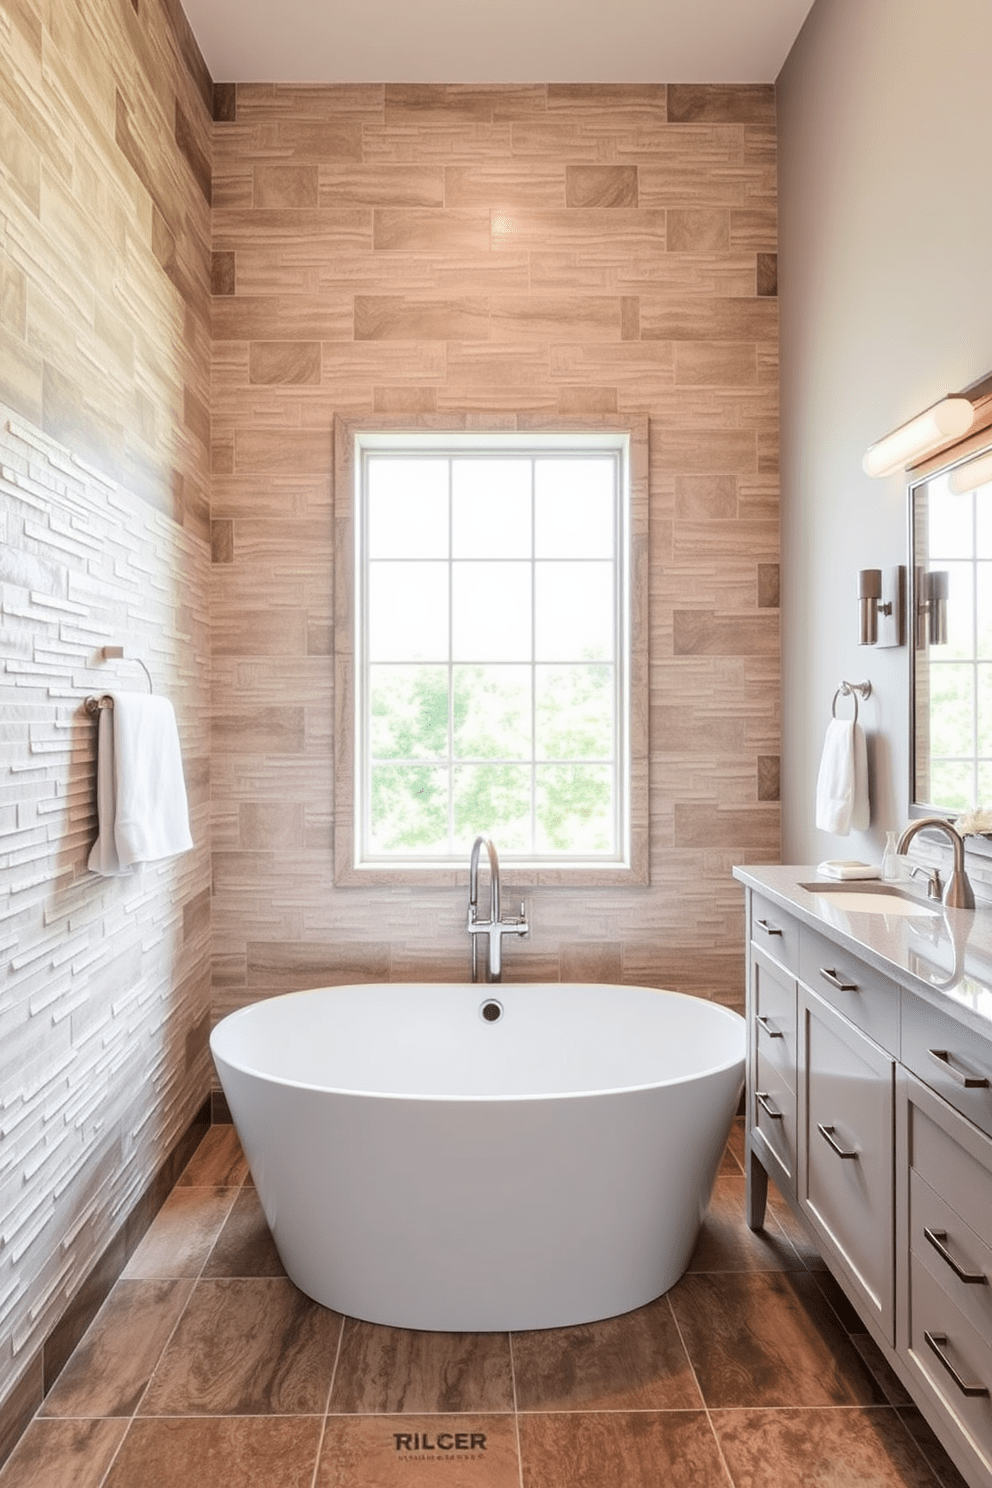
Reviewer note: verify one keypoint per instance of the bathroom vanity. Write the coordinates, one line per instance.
(869, 1105)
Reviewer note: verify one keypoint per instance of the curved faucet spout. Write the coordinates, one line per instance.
(958, 894)
(495, 927)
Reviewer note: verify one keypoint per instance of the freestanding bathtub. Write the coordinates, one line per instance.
(471, 1157)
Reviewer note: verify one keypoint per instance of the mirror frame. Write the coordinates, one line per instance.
(979, 441)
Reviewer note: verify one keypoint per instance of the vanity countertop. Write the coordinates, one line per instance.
(944, 955)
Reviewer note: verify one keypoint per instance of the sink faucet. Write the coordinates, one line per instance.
(495, 927)
(958, 893)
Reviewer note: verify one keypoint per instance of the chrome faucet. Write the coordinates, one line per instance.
(958, 893)
(495, 927)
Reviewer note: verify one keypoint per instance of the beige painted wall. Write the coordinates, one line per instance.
(482, 252)
(104, 538)
(885, 117)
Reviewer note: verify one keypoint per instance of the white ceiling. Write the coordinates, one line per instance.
(496, 41)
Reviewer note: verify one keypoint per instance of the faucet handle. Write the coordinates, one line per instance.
(524, 928)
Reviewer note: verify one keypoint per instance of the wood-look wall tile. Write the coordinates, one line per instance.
(728, 826)
(20, 377)
(263, 825)
(715, 363)
(698, 230)
(450, 230)
(587, 400)
(306, 452)
(610, 233)
(570, 317)
(703, 633)
(767, 274)
(503, 185)
(404, 400)
(708, 320)
(222, 274)
(408, 318)
(282, 186)
(755, 229)
(383, 186)
(601, 186)
(768, 586)
(225, 103)
(696, 452)
(721, 103)
(295, 362)
(282, 317)
(291, 967)
(270, 730)
(318, 139)
(769, 777)
(706, 496)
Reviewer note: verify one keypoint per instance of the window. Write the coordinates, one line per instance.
(492, 650)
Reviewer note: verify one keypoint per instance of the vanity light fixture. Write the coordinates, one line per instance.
(905, 446)
(880, 606)
(970, 475)
(931, 618)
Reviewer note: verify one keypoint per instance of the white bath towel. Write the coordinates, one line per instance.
(842, 784)
(142, 810)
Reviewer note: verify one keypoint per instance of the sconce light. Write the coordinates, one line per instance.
(908, 444)
(880, 606)
(936, 606)
(970, 475)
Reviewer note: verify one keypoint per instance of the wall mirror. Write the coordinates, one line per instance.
(950, 631)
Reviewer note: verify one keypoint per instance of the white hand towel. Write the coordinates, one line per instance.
(842, 784)
(142, 809)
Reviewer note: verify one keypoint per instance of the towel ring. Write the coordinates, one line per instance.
(93, 705)
(850, 689)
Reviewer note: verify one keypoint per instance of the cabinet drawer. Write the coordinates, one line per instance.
(773, 1001)
(948, 1057)
(847, 1145)
(773, 1114)
(775, 932)
(957, 1259)
(869, 1000)
(954, 1361)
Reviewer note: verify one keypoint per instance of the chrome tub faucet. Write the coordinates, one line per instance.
(495, 927)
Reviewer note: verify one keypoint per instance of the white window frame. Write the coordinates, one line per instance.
(355, 439)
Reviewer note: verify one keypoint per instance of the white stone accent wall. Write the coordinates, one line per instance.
(104, 985)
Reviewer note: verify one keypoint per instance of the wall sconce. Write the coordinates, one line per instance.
(949, 419)
(880, 605)
(931, 610)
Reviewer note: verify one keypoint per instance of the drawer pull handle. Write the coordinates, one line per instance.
(761, 1096)
(827, 1133)
(937, 1239)
(830, 975)
(970, 1082)
(765, 1022)
(768, 929)
(935, 1340)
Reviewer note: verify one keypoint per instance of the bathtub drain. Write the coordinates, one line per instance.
(492, 1011)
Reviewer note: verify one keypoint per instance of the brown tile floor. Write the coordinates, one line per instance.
(207, 1366)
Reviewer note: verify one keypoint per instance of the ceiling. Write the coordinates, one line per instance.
(496, 41)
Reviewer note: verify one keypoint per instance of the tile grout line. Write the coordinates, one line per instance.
(709, 1418)
(327, 1403)
(516, 1412)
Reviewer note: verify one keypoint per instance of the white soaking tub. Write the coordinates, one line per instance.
(470, 1157)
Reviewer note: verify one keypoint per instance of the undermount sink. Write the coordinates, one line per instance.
(871, 898)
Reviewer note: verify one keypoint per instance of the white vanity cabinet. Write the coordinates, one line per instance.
(870, 1107)
(847, 1178)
